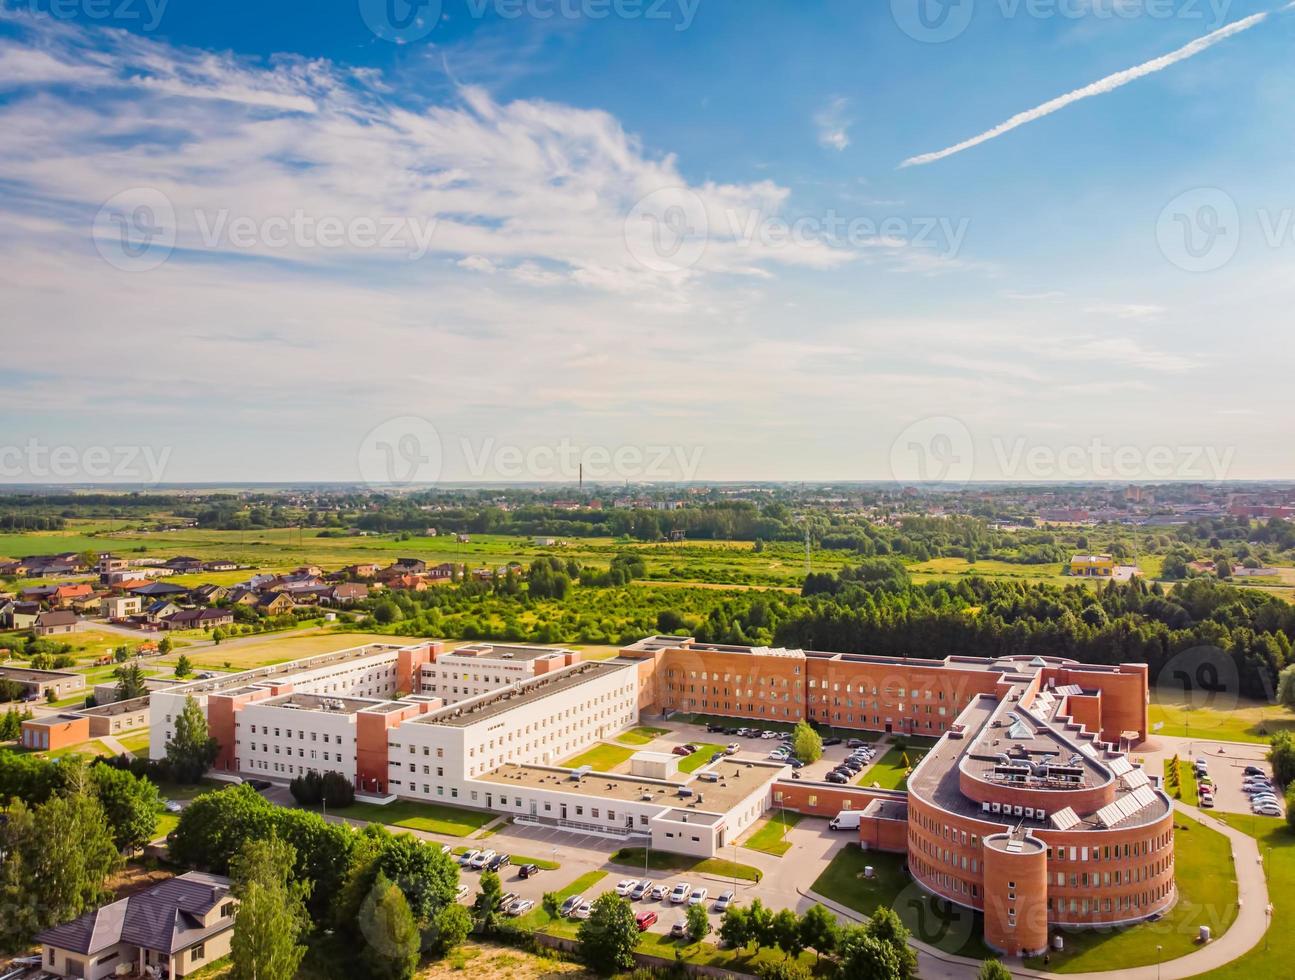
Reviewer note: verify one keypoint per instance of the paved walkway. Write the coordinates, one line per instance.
(116, 746)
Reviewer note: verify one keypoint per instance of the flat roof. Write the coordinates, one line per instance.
(488, 705)
(318, 702)
(500, 651)
(228, 683)
(737, 781)
(30, 674)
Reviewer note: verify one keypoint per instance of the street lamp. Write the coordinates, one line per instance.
(1159, 950)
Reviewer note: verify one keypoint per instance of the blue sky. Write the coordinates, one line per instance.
(680, 231)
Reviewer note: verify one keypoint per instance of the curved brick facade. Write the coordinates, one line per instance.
(1016, 889)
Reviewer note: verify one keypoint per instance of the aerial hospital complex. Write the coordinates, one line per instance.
(1027, 809)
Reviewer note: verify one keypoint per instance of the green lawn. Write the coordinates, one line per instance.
(186, 791)
(136, 743)
(1271, 958)
(538, 918)
(641, 735)
(747, 960)
(166, 823)
(1207, 896)
(604, 757)
(1242, 721)
(768, 837)
(433, 818)
(691, 763)
(632, 857)
(891, 771)
(936, 922)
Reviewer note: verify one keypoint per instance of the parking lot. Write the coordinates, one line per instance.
(1227, 772)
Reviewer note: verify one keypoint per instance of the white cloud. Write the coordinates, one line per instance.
(1127, 311)
(833, 124)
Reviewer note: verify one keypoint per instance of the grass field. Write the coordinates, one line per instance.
(632, 857)
(933, 921)
(890, 771)
(1231, 720)
(1271, 958)
(136, 743)
(691, 763)
(1186, 790)
(769, 835)
(433, 818)
(604, 757)
(267, 650)
(641, 735)
(1207, 896)
(538, 918)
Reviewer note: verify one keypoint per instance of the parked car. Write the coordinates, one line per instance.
(768, 734)
(528, 871)
(712, 727)
(1269, 810)
(679, 894)
(732, 748)
(681, 750)
(1253, 771)
(659, 892)
(831, 741)
(642, 890)
(520, 907)
(481, 860)
(698, 896)
(498, 861)
(836, 777)
(690, 746)
(794, 762)
(465, 860)
(258, 784)
(716, 756)
(171, 806)
(1206, 802)
(583, 910)
(570, 905)
(726, 899)
(461, 892)
(625, 886)
(855, 743)
(645, 920)
(679, 930)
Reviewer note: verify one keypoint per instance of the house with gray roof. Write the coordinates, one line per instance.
(169, 930)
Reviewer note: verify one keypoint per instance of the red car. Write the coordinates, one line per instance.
(644, 919)
(682, 750)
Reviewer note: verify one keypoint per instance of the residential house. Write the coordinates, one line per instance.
(198, 619)
(1092, 566)
(274, 603)
(18, 615)
(220, 565)
(184, 563)
(347, 593)
(209, 594)
(160, 590)
(159, 610)
(64, 595)
(242, 597)
(367, 569)
(411, 583)
(172, 929)
(120, 606)
(408, 566)
(38, 593)
(55, 622)
(443, 572)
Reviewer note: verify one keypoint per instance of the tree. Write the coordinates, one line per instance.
(183, 666)
(1286, 687)
(450, 926)
(131, 804)
(191, 750)
(698, 923)
(806, 743)
(21, 920)
(759, 924)
(1281, 755)
(782, 970)
(608, 937)
(1290, 802)
(121, 654)
(217, 635)
(130, 682)
(271, 917)
(10, 726)
(50, 696)
(993, 970)
(386, 612)
(388, 925)
(735, 927)
(489, 901)
(785, 929)
(69, 855)
(165, 646)
(862, 955)
(886, 927)
(818, 930)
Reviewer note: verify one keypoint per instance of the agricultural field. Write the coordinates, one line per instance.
(1244, 721)
(245, 653)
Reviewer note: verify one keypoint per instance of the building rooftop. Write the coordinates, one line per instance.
(28, 674)
(494, 651)
(484, 706)
(735, 781)
(234, 683)
(319, 702)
